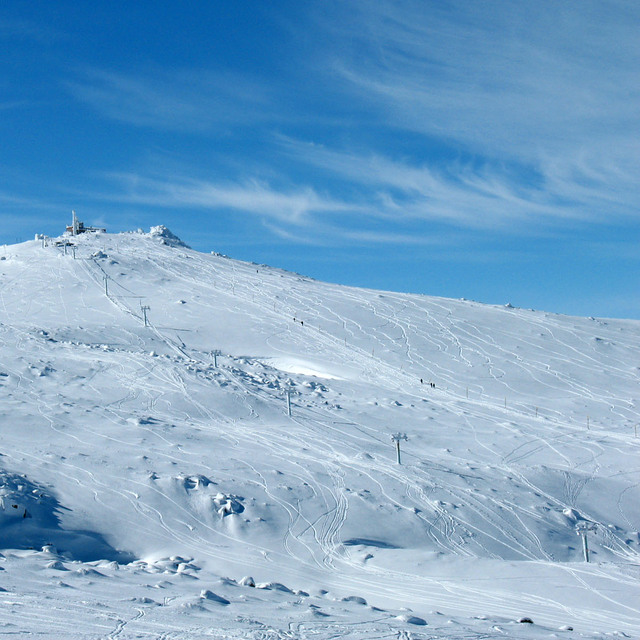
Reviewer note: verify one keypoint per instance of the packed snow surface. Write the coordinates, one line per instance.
(197, 447)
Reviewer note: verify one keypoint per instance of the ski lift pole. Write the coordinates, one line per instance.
(288, 393)
(582, 528)
(396, 438)
(585, 547)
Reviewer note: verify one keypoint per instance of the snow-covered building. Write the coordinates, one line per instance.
(76, 227)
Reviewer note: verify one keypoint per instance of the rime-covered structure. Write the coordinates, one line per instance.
(77, 227)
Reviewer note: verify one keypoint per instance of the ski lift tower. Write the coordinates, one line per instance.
(74, 224)
(397, 438)
(582, 528)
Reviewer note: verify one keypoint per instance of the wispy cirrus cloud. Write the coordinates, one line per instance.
(295, 206)
(22, 203)
(300, 215)
(179, 100)
(480, 196)
(519, 118)
(543, 98)
(497, 75)
(332, 235)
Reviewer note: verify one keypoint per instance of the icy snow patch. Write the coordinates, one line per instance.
(304, 368)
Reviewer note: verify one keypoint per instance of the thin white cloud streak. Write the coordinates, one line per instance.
(543, 96)
(13, 201)
(295, 207)
(331, 235)
(554, 86)
(20, 215)
(183, 100)
(500, 74)
(594, 179)
(459, 195)
(389, 237)
(300, 216)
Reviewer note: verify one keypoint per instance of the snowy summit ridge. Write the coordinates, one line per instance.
(204, 447)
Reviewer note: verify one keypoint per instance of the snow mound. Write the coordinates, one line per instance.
(206, 594)
(305, 368)
(420, 622)
(167, 237)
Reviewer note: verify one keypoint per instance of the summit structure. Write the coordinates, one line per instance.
(77, 227)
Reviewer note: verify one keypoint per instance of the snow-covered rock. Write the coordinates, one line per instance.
(166, 236)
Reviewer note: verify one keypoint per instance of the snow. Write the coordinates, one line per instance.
(166, 236)
(309, 369)
(153, 485)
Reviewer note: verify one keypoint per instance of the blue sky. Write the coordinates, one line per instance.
(485, 150)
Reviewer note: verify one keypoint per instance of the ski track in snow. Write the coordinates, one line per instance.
(516, 401)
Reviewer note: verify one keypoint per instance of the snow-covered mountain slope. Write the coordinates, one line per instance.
(165, 449)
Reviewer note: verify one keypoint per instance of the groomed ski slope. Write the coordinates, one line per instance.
(157, 464)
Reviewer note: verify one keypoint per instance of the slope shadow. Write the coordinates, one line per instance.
(29, 519)
(369, 542)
